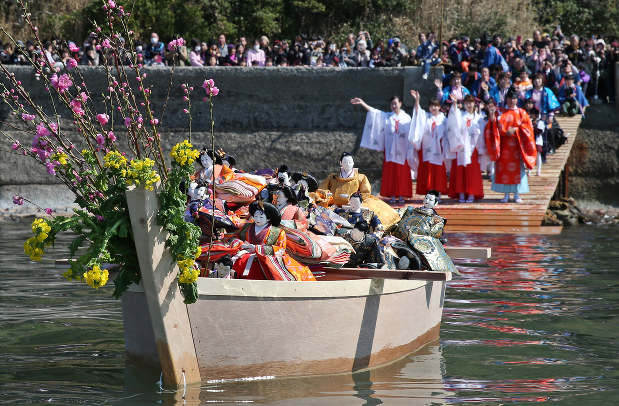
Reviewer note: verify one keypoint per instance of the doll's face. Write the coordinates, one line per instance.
(200, 193)
(302, 183)
(260, 219)
(355, 204)
(404, 262)
(206, 161)
(347, 163)
(223, 271)
(281, 198)
(191, 189)
(429, 201)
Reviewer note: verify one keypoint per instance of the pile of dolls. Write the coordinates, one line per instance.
(277, 224)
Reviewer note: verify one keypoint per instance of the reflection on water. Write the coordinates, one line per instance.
(536, 323)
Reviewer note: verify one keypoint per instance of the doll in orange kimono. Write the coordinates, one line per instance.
(262, 245)
(234, 187)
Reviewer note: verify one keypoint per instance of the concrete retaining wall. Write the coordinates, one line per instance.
(265, 117)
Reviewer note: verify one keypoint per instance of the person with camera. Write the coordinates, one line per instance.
(571, 97)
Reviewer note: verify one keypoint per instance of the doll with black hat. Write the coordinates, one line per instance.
(353, 213)
(305, 186)
(367, 251)
(347, 181)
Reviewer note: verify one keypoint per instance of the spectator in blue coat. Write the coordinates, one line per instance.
(154, 48)
(571, 97)
(492, 56)
(424, 53)
(481, 87)
(455, 87)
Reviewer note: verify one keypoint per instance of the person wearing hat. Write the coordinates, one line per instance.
(261, 245)
(511, 142)
(571, 98)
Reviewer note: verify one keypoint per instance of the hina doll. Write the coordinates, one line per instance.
(367, 250)
(206, 160)
(234, 187)
(348, 181)
(354, 213)
(428, 136)
(465, 177)
(282, 175)
(262, 248)
(421, 228)
(511, 143)
(291, 213)
(388, 132)
(305, 186)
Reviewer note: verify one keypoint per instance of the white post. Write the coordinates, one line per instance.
(168, 313)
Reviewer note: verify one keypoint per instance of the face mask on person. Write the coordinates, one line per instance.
(197, 48)
(256, 47)
(153, 40)
(138, 48)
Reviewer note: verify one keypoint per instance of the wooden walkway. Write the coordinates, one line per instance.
(489, 215)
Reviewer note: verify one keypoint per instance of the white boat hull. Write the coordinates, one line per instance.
(244, 328)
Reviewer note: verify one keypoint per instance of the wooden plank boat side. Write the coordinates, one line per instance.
(341, 330)
(330, 327)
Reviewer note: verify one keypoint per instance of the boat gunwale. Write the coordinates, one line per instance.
(236, 289)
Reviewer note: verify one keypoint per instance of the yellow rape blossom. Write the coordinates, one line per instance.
(96, 277)
(188, 275)
(34, 245)
(116, 160)
(60, 157)
(184, 154)
(140, 171)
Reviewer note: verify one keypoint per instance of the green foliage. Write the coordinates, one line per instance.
(184, 237)
(582, 17)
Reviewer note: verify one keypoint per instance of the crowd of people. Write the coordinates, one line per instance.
(590, 60)
(493, 111)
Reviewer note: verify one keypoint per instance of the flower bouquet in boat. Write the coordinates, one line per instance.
(102, 146)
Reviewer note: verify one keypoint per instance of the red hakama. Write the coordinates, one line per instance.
(397, 180)
(431, 176)
(466, 179)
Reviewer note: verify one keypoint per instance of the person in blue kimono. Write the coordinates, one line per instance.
(543, 98)
(571, 97)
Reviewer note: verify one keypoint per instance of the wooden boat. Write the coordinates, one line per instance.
(348, 320)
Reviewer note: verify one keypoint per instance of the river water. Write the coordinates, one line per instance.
(536, 323)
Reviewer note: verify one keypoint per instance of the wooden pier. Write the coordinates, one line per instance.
(489, 215)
